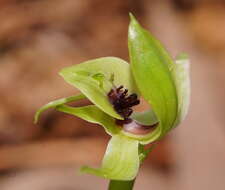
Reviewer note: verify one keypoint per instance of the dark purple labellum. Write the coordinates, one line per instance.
(122, 102)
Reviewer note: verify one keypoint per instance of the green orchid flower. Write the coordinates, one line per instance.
(114, 87)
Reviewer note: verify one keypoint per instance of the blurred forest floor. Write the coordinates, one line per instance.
(39, 37)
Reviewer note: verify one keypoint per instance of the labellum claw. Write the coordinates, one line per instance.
(138, 129)
(132, 126)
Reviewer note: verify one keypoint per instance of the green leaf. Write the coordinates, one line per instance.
(150, 65)
(181, 77)
(92, 114)
(145, 118)
(121, 160)
(95, 78)
(55, 103)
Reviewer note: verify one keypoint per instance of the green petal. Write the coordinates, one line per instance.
(181, 77)
(92, 114)
(121, 160)
(55, 103)
(145, 118)
(94, 79)
(150, 65)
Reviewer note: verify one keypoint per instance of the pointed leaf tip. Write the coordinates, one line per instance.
(182, 56)
(131, 16)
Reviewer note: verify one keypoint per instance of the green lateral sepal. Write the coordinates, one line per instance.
(92, 114)
(56, 103)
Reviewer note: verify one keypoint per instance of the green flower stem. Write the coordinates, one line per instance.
(121, 185)
(128, 185)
